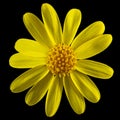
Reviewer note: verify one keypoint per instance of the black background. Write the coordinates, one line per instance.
(12, 105)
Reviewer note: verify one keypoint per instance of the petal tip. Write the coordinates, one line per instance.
(101, 24)
(48, 113)
(76, 10)
(110, 37)
(11, 61)
(12, 88)
(45, 5)
(96, 98)
(111, 73)
(27, 16)
(28, 102)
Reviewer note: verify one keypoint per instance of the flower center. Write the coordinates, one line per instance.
(61, 59)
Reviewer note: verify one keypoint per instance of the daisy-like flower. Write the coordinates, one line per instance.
(58, 59)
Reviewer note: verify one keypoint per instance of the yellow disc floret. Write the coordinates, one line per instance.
(61, 59)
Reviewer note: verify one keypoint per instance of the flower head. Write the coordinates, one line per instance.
(59, 59)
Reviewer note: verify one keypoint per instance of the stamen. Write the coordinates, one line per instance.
(61, 60)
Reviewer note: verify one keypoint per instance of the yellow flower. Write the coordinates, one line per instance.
(59, 59)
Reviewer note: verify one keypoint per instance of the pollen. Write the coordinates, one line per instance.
(61, 60)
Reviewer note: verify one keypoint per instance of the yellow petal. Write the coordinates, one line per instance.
(19, 60)
(28, 78)
(31, 48)
(37, 29)
(93, 46)
(52, 22)
(88, 33)
(85, 85)
(38, 91)
(53, 96)
(71, 24)
(94, 69)
(74, 97)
